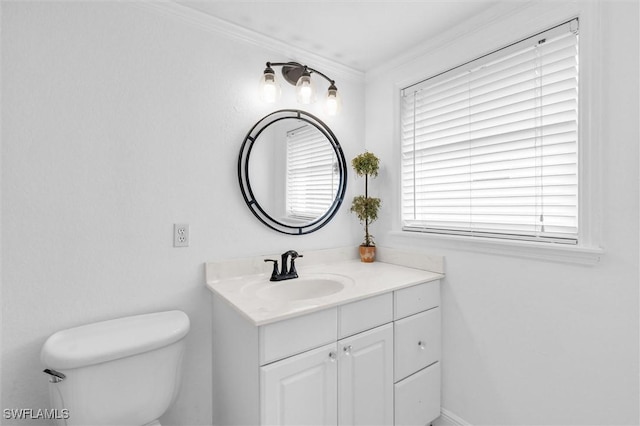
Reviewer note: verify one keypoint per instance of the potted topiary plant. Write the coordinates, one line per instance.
(365, 207)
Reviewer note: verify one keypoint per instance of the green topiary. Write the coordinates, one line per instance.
(365, 207)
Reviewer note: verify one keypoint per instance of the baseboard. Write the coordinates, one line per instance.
(447, 418)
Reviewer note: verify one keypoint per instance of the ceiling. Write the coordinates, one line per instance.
(357, 34)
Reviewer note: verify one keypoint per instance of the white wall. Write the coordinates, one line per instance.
(118, 121)
(530, 341)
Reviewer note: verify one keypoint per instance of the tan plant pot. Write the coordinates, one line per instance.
(367, 254)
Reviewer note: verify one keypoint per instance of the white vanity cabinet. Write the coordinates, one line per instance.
(348, 383)
(300, 390)
(365, 378)
(417, 354)
(374, 361)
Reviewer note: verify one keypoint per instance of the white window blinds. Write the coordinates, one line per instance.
(491, 148)
(312, 180)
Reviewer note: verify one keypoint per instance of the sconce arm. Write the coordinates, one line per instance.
(297, 64)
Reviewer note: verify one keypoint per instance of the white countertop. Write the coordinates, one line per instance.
(368, 279)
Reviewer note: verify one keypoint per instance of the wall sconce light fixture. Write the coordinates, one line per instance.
(300, 76)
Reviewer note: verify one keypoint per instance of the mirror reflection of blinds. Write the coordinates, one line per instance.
(491, 148)
(312, 181)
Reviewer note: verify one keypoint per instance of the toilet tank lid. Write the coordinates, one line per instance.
(118, 338)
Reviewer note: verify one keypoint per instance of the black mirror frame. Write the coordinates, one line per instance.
(245, 185)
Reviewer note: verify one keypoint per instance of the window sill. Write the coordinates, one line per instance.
(542, 251)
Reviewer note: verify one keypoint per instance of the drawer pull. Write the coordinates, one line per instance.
(332, 356)
(347, 350)
(421, 345)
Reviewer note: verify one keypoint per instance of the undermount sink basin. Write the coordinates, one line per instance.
(302, 288)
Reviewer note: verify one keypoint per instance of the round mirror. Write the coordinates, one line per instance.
(292, 172)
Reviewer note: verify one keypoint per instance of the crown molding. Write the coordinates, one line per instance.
(233, 31)
(496, 13)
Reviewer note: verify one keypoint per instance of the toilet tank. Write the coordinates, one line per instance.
(121, 372)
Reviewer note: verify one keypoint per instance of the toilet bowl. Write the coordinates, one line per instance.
(121, 372)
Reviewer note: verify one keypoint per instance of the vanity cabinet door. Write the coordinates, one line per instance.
(365, 378)
(301, 390)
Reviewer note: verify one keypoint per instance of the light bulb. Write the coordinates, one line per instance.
(304, 88)
(269, 90)
(334, 102)
(269, 93)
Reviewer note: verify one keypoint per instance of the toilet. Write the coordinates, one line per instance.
(121, 372)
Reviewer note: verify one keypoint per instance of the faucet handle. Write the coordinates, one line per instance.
(292, 269)
(274, 273)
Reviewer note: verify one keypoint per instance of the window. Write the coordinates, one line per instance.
(312, 175)
(490, 148)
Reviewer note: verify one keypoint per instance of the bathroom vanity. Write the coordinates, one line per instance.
(360, 345)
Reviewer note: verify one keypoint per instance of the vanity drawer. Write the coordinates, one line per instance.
(289, 337)
(364, 314)
(417, 298)
(417, 398)
(416, 342)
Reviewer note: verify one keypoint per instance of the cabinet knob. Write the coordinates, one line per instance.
(332, 356)
(347, 350)
(421, 344)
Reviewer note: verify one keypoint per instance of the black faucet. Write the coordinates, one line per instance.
(285, 273)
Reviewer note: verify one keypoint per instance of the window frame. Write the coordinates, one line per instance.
(523, 114)
(587, 251)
